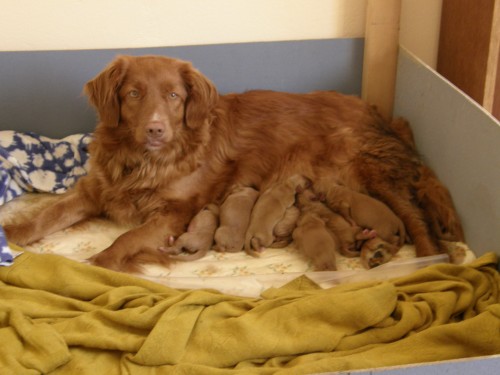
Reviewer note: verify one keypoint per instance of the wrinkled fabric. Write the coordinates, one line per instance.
(33, 163)
(62, 317)
(6, 256)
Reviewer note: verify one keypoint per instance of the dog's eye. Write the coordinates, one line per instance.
(173, 95)
(133, 94)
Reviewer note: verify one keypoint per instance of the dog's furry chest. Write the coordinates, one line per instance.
(137, 193)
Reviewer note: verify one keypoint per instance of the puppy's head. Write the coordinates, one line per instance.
(152, 98)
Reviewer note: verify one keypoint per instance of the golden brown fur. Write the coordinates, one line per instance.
(198, 238)
(431, 194)
(167, 144)
(362, 210)
(269, 210)
(376, 251)
(282, 231)
(316, 242)
(234, 219)
(349, 238)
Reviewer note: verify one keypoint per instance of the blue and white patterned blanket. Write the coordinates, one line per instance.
(33, 163)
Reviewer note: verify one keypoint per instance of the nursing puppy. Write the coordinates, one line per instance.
(234, 219)
(362, 210)
(312, 238)
(269, 210)
(168, 143)
(376, 252)
(198, 238)
(349, 237)
(282, 231)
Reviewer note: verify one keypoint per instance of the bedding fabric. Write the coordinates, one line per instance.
(59, 316)
(31, 162)
(6, 256)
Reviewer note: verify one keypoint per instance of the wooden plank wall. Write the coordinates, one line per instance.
(469, 49)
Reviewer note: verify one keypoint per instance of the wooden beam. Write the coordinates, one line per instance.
(491, 84)
(381, 54)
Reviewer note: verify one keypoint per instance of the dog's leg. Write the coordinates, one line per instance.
(388, 176)
(141, 244)
(413, 217)
(436, 200)
(72, 208)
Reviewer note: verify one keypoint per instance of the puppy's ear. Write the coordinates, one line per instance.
(102, 91)
(202, 96)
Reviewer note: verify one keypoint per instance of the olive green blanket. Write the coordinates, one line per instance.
(58, 316)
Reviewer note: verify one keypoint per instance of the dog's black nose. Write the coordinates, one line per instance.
(155, 129)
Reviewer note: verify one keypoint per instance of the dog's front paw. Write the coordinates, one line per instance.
(20, 234)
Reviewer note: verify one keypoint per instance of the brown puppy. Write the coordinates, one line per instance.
(363, 210)
(376, 251)
(167, 144)
(269, 210)
(234, 219)
(283, 229)
(350, 237)
(199, 236)
(312, 238)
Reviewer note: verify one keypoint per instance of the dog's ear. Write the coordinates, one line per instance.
(102, 91)
(202, 97)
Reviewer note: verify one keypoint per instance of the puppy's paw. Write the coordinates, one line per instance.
(376, 252)
(256, 247)
(367, 234)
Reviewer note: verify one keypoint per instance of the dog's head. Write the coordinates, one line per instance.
(153, 97)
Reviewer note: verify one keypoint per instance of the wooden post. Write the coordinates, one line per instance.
(381, 54)
(492, 81)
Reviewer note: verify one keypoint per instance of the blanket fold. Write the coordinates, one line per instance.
(31, 162)
(60, 316)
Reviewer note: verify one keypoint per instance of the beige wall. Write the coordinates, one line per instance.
(97, 24)
(420, 23)
(76, 24)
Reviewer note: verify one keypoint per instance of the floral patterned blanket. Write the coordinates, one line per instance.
(33, 163)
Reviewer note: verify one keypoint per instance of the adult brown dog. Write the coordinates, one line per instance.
(167, 144)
